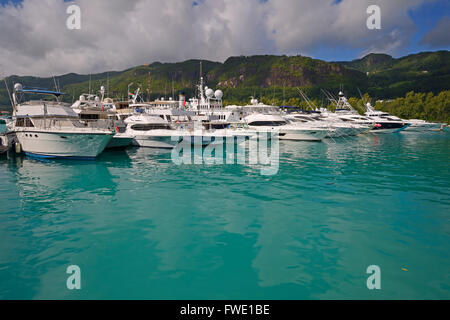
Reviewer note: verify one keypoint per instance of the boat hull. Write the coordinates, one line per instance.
(425, 127)
(147, 141)
(389, 127)
(119, 141)
(169, 139)
(62, 144)
(303, 135)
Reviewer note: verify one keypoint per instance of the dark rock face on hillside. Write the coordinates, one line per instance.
(279, 71)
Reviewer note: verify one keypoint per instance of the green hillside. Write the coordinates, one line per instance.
(268, 77)
(390, 78)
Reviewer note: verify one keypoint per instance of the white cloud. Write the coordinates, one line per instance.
(301, 25)
(116, 34)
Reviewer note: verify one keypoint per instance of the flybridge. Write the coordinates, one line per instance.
(19, 90)
(39, 91)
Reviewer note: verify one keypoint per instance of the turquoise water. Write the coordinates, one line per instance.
(142, 227)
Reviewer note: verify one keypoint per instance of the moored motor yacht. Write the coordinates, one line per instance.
(51, 129)
(150, 131)
(265, 118)
(153, 131)
(344, 122)
(384, 121)
(338, 128)
(98, 112)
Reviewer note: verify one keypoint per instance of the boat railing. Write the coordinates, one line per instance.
(47, 103)
(76, 124)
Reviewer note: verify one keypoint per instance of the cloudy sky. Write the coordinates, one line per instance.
(117, 34)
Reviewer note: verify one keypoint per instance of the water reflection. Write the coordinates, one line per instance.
(166, 231)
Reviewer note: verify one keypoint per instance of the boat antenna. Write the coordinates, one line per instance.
(367, 105)
(173, 94)
(90, 79)
(107, 84)
(308, 101)
(148, 87)
(13, 105)
(54, 78)
(360, 94)
(201, 82)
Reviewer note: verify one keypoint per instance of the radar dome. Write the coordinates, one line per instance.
(82, 98)
(18, 87)
(218, 94)
(368, 104)
(209, 93)
(341, 93)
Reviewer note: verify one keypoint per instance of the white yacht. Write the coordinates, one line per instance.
(199, 120)
(384, 121)
(153, 131)
(98, 112)
(345, 122)
(265, 118)
(338, 127)
(352, 123)
(150, 131)
(51, 129)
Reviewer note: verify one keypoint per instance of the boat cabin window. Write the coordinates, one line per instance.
(302, 119)
(147, 127)
(219, 126)
(28, 123)
(24, 122)
(89, 116)
(20, 122)
(267, 123)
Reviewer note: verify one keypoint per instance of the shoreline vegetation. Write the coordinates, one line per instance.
(414, 86)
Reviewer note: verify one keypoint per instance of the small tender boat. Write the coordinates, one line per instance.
(422, 125)
(4, 144)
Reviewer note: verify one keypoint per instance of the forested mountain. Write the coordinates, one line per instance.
(267, 77)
